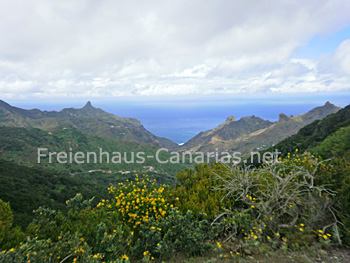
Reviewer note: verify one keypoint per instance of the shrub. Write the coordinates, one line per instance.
(278, 201)
(336, 176)
(69, 248)
(174, 233)
(136, 202)
(195, 191)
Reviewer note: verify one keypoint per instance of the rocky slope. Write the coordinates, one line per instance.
(252, 133)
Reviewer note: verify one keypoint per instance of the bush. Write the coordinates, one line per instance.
(195, 191)
(136, 202)
(336, 176)
(69, 248)
(278, 202)
(174, 233)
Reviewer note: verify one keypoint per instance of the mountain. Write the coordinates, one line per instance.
(88, 119)
(327, 137)
(252, 133)
(224, 133)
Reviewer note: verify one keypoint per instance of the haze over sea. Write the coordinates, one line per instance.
(180, 120)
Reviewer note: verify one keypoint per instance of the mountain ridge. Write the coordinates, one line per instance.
(314, 135)
(88, 119)
(246, 134)
(254, 132)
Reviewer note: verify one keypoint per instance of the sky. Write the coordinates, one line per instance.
(105, 49)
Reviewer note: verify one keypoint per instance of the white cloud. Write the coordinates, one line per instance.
(107, 48)
(342, 57)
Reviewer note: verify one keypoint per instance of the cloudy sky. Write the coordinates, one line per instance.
(110, 48)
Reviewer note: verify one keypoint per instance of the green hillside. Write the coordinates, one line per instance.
(21, 146)
(28, 188)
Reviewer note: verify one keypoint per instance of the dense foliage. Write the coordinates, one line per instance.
(297, 201)
(28, 188)
(138, 221)
(195, 191)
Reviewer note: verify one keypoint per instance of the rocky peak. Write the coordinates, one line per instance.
(88, 105)
(283, 117)
(329, 105)
(230, 118)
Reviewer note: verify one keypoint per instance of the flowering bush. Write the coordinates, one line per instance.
(136, 202)
(156, 228)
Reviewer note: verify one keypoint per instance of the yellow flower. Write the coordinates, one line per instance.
(218, 244)
(253, 206)
(325, 236)
(301, 229)
(125, 257)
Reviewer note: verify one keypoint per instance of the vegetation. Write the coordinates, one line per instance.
(28, 188)
(195, 191)
(213, 212)
(284, 205)
(21, 145)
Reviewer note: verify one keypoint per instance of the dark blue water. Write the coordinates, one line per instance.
(180, 120)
